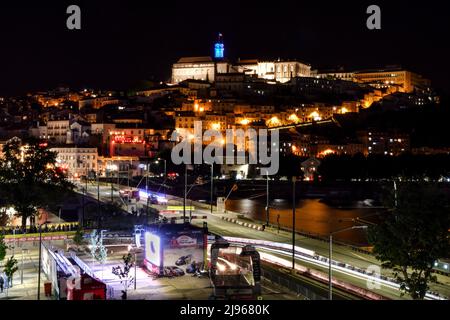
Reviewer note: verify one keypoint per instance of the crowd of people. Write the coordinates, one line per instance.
(35, 229)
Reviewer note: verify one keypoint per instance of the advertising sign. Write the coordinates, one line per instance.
(153, 248)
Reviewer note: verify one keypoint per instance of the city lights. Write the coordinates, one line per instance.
(169, 161)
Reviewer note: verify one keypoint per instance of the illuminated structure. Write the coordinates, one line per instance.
(127, 142)
(219, 48)
(310, 168)
(235, 273)
(198, 68)
(202, 68)
(262, 69)
(405, 80)
(165, 244)
(286, 70)
(78, 161)
(385, 142)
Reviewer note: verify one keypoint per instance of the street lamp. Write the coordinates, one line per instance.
(267, 200)
(330, 284)
(21, 271)
(212, 185)
(165, 172)
(185, 193)
(40, 258)
(294, 179)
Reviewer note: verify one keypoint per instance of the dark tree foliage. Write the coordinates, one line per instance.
(10, 268)
(3, 247)
(373, 167)
(78, 238)
(290, 166)
(413, 235)
(29, 178)
(123, 273)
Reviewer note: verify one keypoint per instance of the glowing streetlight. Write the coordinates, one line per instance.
(315, 116)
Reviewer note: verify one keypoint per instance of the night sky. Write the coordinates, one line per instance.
(123, 42)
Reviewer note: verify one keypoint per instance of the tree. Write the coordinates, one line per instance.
(29, 177)
(3, 247)
(78, 238)
(124, 274)
(98, 250)
(10, 268)
(413, 236)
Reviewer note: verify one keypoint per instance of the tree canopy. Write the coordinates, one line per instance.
(29, 177)
(413, 236)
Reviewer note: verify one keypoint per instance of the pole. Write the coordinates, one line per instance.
(98, 189)
(212, 186)
(59, 215)
(82, 217)
(165, 177)
(330, 285)
(87, 173)
(293, 223)
(395, 194)
(267, 201)
(21, 271)
(128, 177)
(185, 193)
(135, 266)
(330, 257)
(112, 192)
(39, 263)
(98, 197)
(146, 186)
(14, 244)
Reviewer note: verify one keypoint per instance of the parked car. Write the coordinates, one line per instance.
(183, 260)
(177, 271)
(168, 272)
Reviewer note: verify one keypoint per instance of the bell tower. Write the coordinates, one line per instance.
(219, 48)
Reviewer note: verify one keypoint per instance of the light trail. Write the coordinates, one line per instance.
(314, 259)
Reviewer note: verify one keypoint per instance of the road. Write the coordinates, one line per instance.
(340, 253)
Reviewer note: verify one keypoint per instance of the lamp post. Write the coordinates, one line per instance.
(21, 269)
(395, 193)
(294, 179)
(39, 263)
(212, 185)
(82, 217)
(330, 284)
(165, 173)
(185, 193)
(267, 200)
(146, 185)
(98, 197)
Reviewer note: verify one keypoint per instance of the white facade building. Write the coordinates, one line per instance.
(78, 161)
(198, 68)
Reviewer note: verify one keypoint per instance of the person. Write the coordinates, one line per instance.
(2, 283)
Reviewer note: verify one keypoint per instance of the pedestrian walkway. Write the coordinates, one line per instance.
(26, 289)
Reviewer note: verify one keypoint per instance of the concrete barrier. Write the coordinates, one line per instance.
(244, 224)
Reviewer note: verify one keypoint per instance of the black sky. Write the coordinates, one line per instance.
(122, 42)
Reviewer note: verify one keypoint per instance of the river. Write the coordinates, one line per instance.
(312, 216)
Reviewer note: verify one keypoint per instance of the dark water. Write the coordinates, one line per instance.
(312, 216)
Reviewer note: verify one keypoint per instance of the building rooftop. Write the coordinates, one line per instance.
(195, 59)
